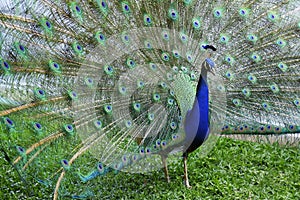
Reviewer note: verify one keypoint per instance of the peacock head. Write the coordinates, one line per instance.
(209, 65)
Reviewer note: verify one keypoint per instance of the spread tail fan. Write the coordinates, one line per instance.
(90, 88)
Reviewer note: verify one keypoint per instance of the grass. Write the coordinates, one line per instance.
(232, 170)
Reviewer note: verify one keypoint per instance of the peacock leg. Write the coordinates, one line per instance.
(164, 161)
(186, 179)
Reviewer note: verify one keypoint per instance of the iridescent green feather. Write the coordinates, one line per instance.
(93, 87)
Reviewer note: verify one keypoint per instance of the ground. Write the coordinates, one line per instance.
(233, 170)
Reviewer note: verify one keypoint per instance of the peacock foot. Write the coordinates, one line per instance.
(187, 185)
(168, 179)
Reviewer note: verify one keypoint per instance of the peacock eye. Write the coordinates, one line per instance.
(176, 54)
(98, 123)
(41, 92)
(21, 149)
(69, 129)
(128, 124)
(38, 125)
(100, 166)
(165, 57)
(21, 47)
(134, 157)
(153, 66)
(6, 65)
(183, 37)
(9, 121)
(273, 16)
(218, 13)
(77, 8)
(65, 162)
(126, 7)
(48, 24)
(173, 125)
(173, 14)
(103, 4)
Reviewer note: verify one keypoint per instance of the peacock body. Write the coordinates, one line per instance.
(92, 87)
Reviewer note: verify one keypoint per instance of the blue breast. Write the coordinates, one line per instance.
(196, 124)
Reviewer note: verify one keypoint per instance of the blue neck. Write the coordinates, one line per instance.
(196, 124)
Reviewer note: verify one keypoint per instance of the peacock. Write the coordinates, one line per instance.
(91, 88)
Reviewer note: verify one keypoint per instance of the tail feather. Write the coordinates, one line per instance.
(91, 87)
